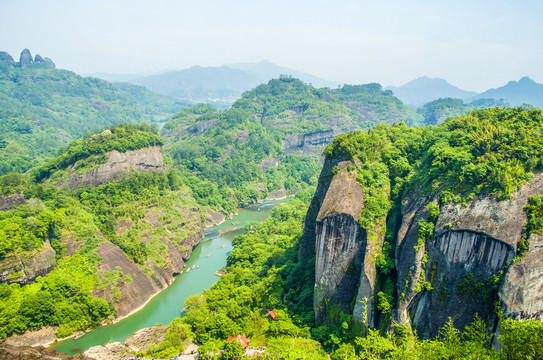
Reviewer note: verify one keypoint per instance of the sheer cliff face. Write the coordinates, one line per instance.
(522, 289)
(145, 160)
(344, 269)
(459, 271)
(470, 244)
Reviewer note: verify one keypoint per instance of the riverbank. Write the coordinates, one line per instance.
(167, 304)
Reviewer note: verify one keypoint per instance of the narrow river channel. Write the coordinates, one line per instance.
(166, 306)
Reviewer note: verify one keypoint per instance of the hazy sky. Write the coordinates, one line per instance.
(473, 44)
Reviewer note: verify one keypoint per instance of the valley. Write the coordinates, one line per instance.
(349, 225)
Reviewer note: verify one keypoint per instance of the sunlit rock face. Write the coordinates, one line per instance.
(522, 289)
(460, 271)
(118, 163)
(24, 269)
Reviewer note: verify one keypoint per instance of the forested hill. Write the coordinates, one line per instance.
(73, 256)
(272, 137)
(43, 109)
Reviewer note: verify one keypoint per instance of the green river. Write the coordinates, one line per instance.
(167, 305)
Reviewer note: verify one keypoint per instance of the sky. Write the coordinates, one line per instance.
(475, 45)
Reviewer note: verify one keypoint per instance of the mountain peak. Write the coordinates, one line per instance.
(526, 80)
(524, 91)
(425, 89)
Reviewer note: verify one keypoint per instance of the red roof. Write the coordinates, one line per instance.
(272, 314)
(241, 339)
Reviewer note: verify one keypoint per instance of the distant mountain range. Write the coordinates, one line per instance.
(222, 85)
(216, 84)
(424, 90)
(524, 91)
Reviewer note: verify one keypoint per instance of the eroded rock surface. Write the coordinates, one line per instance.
(344, 266)
(12, 352)
(144, 160)
(24, 269)
(461, 264)
(11, 201)
(522, 289)
(476, 240)
(141, 288)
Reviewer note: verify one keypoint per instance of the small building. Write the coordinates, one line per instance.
(272, 315)
(241, 339)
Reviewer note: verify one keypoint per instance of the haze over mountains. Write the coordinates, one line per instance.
(424, 89)
(222, 85)
(215, 84)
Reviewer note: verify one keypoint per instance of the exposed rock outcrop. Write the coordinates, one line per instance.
(345, 270)
(522, 289)
(49, 62)
(24, 269)
(213, 218)
(41, 337)
(461, 264)
(455, 271)
(307, 244)
(146, 160)
(143, 287)
(142, 339)
(11, 201)
(38, 59)
(25, 58)
(12, 352)
(475, 240)
(315, 138)
(277, 194)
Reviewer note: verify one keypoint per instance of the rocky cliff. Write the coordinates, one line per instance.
(458, 268)
(345, 270)
(11, 201)
(145, 284)
(117, 164)
(25, 268)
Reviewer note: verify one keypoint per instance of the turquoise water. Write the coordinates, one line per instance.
(167, 305)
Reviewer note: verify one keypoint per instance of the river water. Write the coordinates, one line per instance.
(167, 305)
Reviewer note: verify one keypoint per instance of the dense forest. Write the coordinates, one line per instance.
(437, 111)
(272, 138)
(85, 218)
(232, 153)
(43, 109)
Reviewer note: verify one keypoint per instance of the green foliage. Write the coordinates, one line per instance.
(493, 151)
(294, 348)
(424, 233)
(232, 153)
(43, 109)
(26, 227)
(12, 183)
(62, 299)
(437, 111)
(153, 106)
(122, 138)
(263, 273)
(232, 350)
(521, 339)
(177, 336)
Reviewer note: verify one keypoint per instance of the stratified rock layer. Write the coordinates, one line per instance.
(522, 289)
(24, 269)
(145, 160)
